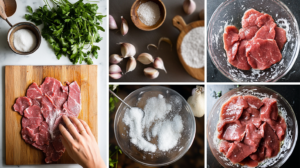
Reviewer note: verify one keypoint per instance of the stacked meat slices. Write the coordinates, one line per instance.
(42, 111)
(250, 129)
(257, 45)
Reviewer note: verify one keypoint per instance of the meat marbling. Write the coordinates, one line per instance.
(42, 111)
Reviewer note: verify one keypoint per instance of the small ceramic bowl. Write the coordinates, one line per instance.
(135, 18)
(23, 25)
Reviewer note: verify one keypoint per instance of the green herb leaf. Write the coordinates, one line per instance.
(29, 9)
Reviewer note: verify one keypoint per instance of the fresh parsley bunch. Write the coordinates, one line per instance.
(70, 28)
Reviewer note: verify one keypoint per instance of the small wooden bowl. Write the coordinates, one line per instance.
(135, 17)
(23, 25)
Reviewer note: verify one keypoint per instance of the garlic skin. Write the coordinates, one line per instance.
(167, 40)
(115, 76)
(113, 69)
(197, 101)
(189, 6)
(145, 58)
(115, 58)
(151, 73)
(112, 23)
(127, 50)
(131, 64)
(124, 26)
(159, 64)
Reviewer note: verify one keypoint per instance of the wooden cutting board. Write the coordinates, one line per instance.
(17, 80)
(179, 23)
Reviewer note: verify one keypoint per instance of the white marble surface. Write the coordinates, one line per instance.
(45, 56)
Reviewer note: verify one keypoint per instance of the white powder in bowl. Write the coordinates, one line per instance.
(192, 48)
(154, 124)
(24, 40)
(149, 13)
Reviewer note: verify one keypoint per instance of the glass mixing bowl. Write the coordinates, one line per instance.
(138, 98)
(231, 13)
(285, 110)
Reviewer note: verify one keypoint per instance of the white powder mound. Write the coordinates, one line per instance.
(149, 13)
(192, 48)
(167, 131)
(133, 118)
(24, 40)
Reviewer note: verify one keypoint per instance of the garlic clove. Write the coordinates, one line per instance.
(115, 76)
(114, 69)
(159, 64)
(115, 59)
(152, 45)
(189, 6)
(112, 23)
(151, 73)
(124, 26)
(131, 64)
(167, 40)
(145, 58)
(127, 50)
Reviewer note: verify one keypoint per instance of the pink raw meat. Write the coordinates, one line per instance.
(248, 33)
(239, 151)
(240, 60)
(42, 112)
(270, 141)
(269, 110)
(262, 54)
(253, 101)
(280, 37)
(231, 41)
(250, 18)
(233, 108)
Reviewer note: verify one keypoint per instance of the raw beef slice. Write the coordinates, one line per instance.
(42, 111)
(261, 54)
(231, 41)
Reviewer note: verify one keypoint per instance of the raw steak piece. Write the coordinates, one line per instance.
(21, 104)
(259, 155)
(239, 151)
(279, 127)
(250, 18)
(253, 136)
(232, 132)
(249, 162)
(267, 30)
(270, 141)
(42, 112)
(253, 101)
(231, 41)
(224, 147)
(233, 108)
(240, 60)
(251, 115)
(280, 37)
(269, 110)
(248, 33)
(262, 54)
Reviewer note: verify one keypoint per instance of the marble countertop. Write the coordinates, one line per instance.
(45, 56)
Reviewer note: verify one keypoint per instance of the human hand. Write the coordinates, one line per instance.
(81, 146)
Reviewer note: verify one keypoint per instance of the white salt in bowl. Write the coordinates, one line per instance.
(138, 98)
(285, 110)
(230, 13)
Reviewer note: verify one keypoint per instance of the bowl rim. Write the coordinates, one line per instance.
(263, 87)
(161, 164)
(209, 29)
(149, 29)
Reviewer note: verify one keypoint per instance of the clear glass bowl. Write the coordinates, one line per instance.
(285, 110)
(230, 13)
(138, 99)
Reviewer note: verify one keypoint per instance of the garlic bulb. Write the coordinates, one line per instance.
(112, 23)
(145, 58)
(159, 64)
(127, 50)
(151, 73)
(197, 101)
(124, 26)
(115, 59)
(114, 69)
(189, 6)
(131, 64)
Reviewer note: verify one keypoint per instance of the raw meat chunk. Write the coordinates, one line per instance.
(249, 162)
(262, 54)
(240, 60)
(248, 33)
(21, 104)
(231, 41)
(270, 141)
(269, 110)
(279, 127)
(259, 155)
(253, 136)
(224, 147)
(72, 106)
(232, 132)
(239, 151)
(253, 101)
(251, 115)
(233, 108)
(265, 20)
(250, 18)
(280, 37)
(33, 112)
(35, 94)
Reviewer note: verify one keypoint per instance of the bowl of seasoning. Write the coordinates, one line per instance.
(24, 38)
(287, 143)
(160, 131)
(148, 15)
